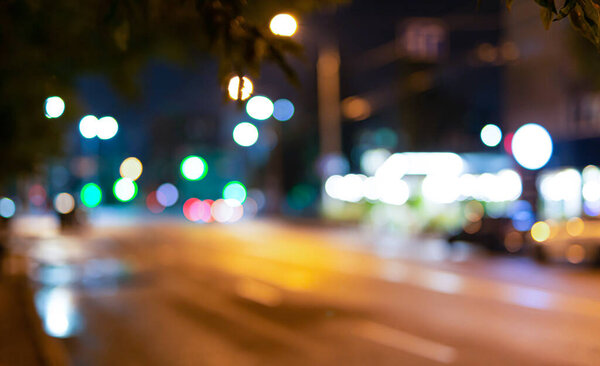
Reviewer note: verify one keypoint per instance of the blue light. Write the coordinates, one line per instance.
(283, 110)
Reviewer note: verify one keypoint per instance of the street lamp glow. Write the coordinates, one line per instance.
(131, 168)
(7, 207)
(532, 146)
(234, 88)
(259, 107)
(125, 189)
(235, 190)
(107, 128)
(245, 134)
(491, 135)
(194, 168)
(54, 107)
(88, 126)
(283, 25)
(283, 110)
(91, 195)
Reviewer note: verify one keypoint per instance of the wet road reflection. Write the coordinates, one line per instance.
(270, 293)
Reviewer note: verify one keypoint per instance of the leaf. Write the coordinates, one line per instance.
(566, 9)
(547, 4)
(546, 15)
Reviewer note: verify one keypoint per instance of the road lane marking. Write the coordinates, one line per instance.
(405, 342)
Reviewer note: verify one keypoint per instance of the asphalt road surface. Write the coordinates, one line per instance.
(271, 293)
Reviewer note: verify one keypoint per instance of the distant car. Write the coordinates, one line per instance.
(496, 234)
(575, 241)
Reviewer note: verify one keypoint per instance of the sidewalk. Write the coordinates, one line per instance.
(22, 338)
(18, 345)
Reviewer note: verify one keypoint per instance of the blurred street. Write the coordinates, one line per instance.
(269, 292)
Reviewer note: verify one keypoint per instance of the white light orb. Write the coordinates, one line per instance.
(54, 107)
(131, 168)
(491, 135)
(259, 107)
(88, 126)
(532, 146)
(234, 88)
(107, 128)
(245, 134)
(441, 188)
(64, 203)
(125, 189)
(283, 25)
(393, 192)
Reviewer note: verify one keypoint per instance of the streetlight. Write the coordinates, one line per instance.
(54, 107)
(283, 25)
(234, 88)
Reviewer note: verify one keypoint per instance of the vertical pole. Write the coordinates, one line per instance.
(328, 90)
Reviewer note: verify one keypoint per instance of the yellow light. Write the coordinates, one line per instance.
(575, 253)
(575, 226)
(474, 211)
(234, 88)
(356, 108)
(540, 231)
(131, 168)
(283, 25)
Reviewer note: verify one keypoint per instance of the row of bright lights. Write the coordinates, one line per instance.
(501, 187)
(104, 128)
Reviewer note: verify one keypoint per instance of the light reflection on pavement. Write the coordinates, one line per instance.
(273, 293)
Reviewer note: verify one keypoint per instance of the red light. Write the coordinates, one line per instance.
(508, 142)
(152, 203)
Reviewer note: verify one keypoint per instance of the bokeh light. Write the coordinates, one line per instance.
(187, 209)
(491, 135)
(125, 189)
(234, 88)
(441, 188)
(575, 253)
(532, 146)
(194, 168)
(235, 190)
(283, 25)
(107, 128)
(131, 168)
(575, 226)
(259, 107)
(356, 108)
(153, 204)
(88, 126)
(37, 195)
(7, 207)
(540, 231)
(64, 203)
(91, 195)
(227, 210)
(167, 194)
(245, 134)
(283, 110)
(54, 107)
